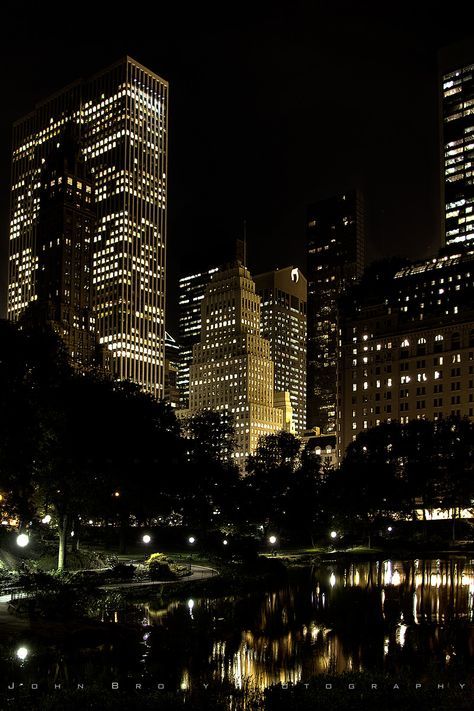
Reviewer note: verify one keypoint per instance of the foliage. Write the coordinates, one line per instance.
(283, 485)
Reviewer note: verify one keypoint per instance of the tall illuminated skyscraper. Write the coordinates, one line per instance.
(335, 249)
(232, 370)
(457, 116)
(283, 315)
(120, 115)
(192, 288)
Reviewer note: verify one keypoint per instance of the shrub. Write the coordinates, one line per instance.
(122, 571)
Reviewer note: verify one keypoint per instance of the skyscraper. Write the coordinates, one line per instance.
(65, 230)
(283, 322)
(335, 249)
(192, 288)
(120, 115)
(171, 371)
(457, 118)
(232, 370)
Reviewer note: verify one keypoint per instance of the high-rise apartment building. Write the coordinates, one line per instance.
(407, 346)
(335, 252)
(192, 288)
(120, 116)
(283, 323)
(232, 370)
(457, 129)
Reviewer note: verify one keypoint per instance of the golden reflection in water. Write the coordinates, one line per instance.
(291, 636)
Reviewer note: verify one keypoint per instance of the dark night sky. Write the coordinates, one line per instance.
(270, 109)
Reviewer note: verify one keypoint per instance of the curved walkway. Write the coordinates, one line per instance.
(10, 622)
(198, 572)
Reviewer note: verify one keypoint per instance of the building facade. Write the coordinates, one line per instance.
(407, 347)
(65, 231)
(232, 370)
(335, 255)
(171, 371)
(121, 116)
(192, 288)
(283, 295)
(457, 130)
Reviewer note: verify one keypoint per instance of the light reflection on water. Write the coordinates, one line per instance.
(335, 618)
(357, 616)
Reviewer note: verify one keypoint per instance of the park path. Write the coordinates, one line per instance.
(198, 572)
(11, 623)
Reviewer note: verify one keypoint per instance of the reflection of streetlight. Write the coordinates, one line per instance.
(22, 540)
(22, 653)
(190, 607)
(46, 519)
(146, 538)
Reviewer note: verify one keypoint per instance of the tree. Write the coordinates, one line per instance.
(369, 485)
(393, 469)
(209, 479)
(284, 485)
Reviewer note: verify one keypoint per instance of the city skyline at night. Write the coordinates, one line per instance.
(237, 357)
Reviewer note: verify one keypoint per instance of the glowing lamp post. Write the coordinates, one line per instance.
(272, 540)
(146, 539)
(22, 540)
(333, 535)
(191, 541)
(22, 653)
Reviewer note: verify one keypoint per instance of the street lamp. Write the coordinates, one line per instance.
(46, 519)
(389, 529)
(22, 540)
(22, 653)
(333, 534)
(146, 538)
(225, 542)
(191, 541)
(272, 540)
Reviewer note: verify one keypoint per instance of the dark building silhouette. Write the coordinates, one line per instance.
(65, 231)
(335, 252)
(171, 371)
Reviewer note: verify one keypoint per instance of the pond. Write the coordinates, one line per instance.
(390, 615)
